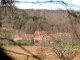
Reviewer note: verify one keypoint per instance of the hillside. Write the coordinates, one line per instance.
(29, 20)
(56, 31)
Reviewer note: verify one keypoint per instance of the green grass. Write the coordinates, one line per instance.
(58, 45)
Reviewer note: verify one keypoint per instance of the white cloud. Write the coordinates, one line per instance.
(47, 5)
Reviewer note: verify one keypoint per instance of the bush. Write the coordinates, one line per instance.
(6, 42)
(24, 42)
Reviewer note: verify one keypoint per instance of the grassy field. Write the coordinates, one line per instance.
(18, 53)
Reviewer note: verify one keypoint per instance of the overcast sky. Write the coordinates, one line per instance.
(73, 4)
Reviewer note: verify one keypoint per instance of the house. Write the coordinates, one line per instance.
(41, 35)
(38, 35)
(16, 37)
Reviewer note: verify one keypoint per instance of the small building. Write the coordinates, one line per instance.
(16, 37)
(41, 35)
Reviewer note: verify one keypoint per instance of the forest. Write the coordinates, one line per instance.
(32, 20)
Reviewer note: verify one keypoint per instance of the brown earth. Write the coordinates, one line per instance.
(33, 50)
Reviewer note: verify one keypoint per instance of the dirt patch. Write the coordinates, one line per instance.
(29, 50)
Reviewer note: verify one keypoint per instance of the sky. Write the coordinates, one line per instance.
(72, 4)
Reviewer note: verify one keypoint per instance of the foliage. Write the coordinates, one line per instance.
(38, 18)
(18, 20)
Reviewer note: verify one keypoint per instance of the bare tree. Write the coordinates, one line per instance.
(68, 51)
(65, 50)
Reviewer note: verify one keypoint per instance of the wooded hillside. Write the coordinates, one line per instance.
(30, 20)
